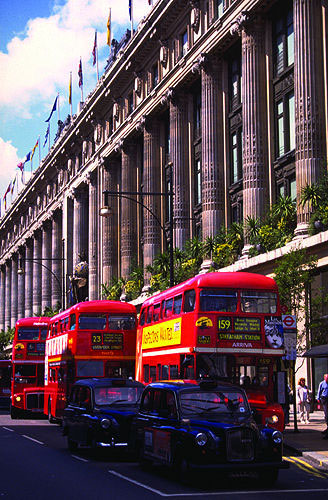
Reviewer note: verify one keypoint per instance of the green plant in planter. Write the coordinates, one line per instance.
(316, 195)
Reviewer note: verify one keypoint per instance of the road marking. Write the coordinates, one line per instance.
(212, 493)
(7, 429)
(301, 464)
(32, 439)
(79, 458)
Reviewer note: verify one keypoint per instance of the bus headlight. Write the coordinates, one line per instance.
(277, 437)
(105, 423)
(201, 439)
(18, 398)
(274, 419)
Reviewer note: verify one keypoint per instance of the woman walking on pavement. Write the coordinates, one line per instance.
(322, 398)
(303, 400)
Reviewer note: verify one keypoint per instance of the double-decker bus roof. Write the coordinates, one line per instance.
(233, 280)
(97, 306)
(33, 321)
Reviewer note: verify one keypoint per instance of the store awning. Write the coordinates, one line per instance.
(319, 351)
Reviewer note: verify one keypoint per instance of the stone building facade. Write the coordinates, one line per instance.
(230, 94)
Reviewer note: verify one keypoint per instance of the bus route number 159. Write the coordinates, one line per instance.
(224, 324)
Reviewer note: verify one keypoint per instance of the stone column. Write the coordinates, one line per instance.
(8, 295)
(110, 224)
(128, 211)
(37, 273)
(2, 297)
(93, 237)
(46, 266)
(80, 227)
(255, 155)
(21, 283)
(57, 265)
(151, 183)
(212, 148)
(179, 158)
(309, 109)
(29, 279)
(14, 289)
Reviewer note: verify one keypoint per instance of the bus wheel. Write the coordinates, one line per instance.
(14, 412)
(51, 419)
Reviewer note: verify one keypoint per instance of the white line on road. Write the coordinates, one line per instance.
(7, 429)
(32, 439)
(80, 458)
(212, 493)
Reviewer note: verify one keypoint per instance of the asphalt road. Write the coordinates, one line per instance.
(35, 464)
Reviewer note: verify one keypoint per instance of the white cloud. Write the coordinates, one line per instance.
(8, 163)
(37, 64)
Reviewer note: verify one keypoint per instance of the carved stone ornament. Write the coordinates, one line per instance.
(164, 55)
(118, 146)
(70, 165)
(98, 133)
(141, 124)
(167, 96)
(137, 85)
(48, 190)
(200, 62)
(116, 110)
(239, 23)
(195, 18)
(38, 201)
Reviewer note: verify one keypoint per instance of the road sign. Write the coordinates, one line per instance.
(288, 321)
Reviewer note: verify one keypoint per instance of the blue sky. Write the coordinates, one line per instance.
(41, 42)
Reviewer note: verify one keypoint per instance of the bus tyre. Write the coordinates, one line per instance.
(269, 477)
(14, 413)
(51, 419)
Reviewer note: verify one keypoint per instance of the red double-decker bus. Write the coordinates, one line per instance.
(5, 375)
(27, 387)
(90, 339)
(218, 325)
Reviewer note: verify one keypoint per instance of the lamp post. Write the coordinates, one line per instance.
(61, 286)
(105, 211)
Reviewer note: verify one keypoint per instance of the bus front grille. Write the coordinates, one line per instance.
(240, 445)
(35, 401)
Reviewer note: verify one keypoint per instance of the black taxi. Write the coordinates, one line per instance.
(99, 412)
(204, 425)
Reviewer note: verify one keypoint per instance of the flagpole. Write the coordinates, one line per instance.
(58, 108)
(97, 63)
(70, 97)
(39, 150)
(131, 4)
(49, 139)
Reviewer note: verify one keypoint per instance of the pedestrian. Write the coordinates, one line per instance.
(322, 398)
(303, 400)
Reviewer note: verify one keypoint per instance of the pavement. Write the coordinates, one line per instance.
(308, 440)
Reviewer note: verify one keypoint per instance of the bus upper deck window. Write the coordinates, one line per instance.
(150, 314)
(44, 332)
(168, 308)
(72, 322)
(189, 300)
(157, 308)
(142, 318)
(216, 299)
(258, 301)
(177, 304)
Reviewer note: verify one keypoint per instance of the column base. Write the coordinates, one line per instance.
(245, 252)
(301, 231)
(206, 266)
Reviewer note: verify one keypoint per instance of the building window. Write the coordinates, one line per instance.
(283, 42)
(235, 83)
(220, 5)
(197, 115)
(184, 43)
(154, 75)
(198, 181)
(285, 124)
(236, 156)
(130, 103)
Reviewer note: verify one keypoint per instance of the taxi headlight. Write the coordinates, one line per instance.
(201, 439)
(105, 423)
(277, 437)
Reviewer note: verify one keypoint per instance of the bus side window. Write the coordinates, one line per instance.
(165, 372)
(72, 322)
(150, 313)
(177, 304)
(168, 308)
(189, 301)
(146, 373)
(157, 308)
(174, 372)
(66, 324)
(152, 373)
(142, 317)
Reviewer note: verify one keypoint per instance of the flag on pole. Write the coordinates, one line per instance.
(130, 8)
(33, 150)
(28, 156)
(109, 29)
(150, 2)
(94, 50)
(54, 107)
(21, 168)
(13, 185)
(5, 195)
(47, 135)
(80, 74)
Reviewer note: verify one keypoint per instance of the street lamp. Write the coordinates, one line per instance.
(105, 211)
(20, 271)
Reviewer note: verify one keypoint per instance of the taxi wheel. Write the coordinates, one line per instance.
(269, 477)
